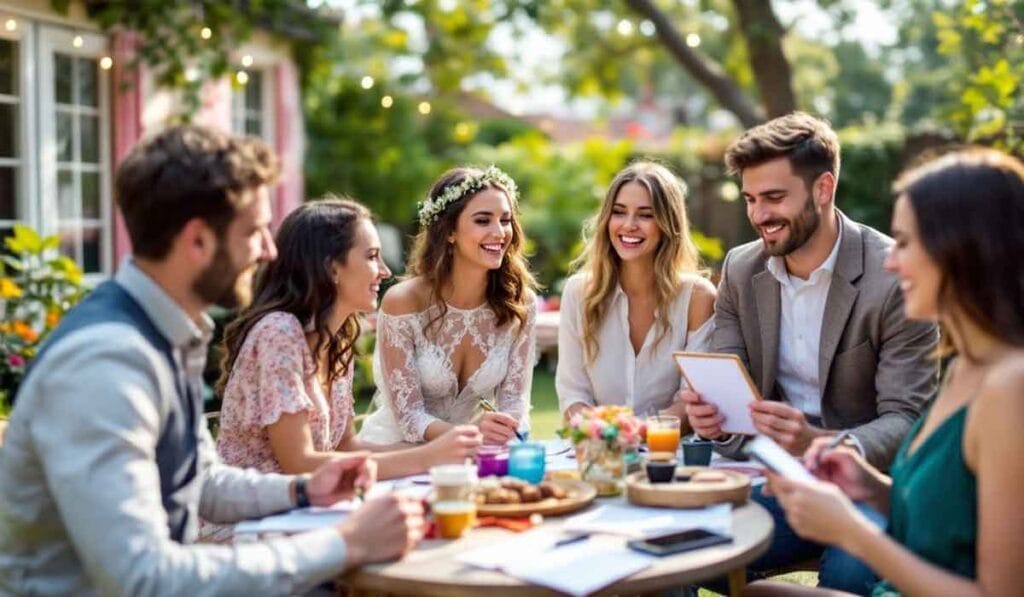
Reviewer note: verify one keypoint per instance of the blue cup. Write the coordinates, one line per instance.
(526, 462)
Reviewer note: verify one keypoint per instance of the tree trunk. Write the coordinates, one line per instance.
(763, 33)
(702, 68)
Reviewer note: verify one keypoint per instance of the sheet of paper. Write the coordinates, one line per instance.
(723, 381)
(635, 521)
(581, 568)
(577, 569)
(296, 521)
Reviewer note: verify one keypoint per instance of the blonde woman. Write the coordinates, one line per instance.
(638, 296)
(460, 328)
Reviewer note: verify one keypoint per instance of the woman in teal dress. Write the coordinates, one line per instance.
(956, 524)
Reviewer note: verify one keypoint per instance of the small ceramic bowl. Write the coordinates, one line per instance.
(661, 471)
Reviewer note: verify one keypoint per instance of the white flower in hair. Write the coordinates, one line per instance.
(431, 208)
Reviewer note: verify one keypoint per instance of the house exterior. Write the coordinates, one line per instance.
(72, 106)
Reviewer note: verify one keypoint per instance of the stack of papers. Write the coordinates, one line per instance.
(299, 520)
(639, 522)
(578, 568)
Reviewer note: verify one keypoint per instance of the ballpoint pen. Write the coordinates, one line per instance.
(486, 405)
(831, 446)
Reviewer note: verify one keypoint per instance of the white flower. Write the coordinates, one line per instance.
(431, 208)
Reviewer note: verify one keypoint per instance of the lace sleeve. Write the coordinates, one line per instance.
(400, 383)
(514, 392)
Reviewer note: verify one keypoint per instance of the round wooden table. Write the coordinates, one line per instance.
(431, 569)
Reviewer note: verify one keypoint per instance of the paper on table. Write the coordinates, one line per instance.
(577, 569)
(722, 380)
(295, 521)
(635, 521)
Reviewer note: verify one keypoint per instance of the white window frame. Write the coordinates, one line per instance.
(268, 116)
(52, 39)
(26, 181)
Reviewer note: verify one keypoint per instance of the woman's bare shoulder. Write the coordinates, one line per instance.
(406, 297)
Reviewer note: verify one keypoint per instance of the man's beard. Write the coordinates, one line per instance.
(223, 283)
(800, 228)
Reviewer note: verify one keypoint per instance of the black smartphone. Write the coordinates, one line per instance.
(663, 545)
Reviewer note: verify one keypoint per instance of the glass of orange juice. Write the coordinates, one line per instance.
(663, 433)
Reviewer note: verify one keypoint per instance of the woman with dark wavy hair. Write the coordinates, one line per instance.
(953, 493)
(458, 333)
(286, 378)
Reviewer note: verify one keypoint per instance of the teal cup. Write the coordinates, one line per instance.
(696, 452)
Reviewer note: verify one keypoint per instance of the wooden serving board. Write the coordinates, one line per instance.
(580, 495)
(734, 489)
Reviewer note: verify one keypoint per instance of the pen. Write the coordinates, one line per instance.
(571, 540)
(486, 405)
(831, 446)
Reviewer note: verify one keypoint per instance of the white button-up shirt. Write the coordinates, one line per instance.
(801, 314)
(647, 382)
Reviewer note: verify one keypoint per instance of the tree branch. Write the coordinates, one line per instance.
(763, 33)
(702, 68)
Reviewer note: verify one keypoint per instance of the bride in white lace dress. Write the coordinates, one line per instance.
(460, 328)
(638, 297)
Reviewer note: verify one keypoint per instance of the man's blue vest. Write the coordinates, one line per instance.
(177, 455)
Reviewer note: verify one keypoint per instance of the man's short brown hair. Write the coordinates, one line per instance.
(188, 172)
(810, 144)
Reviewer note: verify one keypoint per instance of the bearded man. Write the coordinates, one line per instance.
(816, 319)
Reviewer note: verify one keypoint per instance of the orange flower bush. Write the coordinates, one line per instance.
(37, 285)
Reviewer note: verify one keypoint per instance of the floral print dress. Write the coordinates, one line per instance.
(275, 374)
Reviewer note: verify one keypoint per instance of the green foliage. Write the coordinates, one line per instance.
(173, 41)
(872, 158)
(37, 286)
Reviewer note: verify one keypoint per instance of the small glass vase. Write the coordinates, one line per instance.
(602, 466)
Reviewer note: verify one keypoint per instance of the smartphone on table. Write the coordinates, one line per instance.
(678, 542)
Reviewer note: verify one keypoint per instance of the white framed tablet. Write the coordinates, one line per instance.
(722, 380)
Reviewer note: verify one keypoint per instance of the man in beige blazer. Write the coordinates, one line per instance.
(814, 316)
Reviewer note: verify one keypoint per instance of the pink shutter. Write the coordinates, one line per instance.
(289, 139)
(127, 106)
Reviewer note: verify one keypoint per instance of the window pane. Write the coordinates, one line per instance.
(62, 77)
(8, 130)
(254, 92)
(69, 237)
(253, 126)
(8, 193)
(8, 67)
(90, 132)
(90, 194)
(91, 250)
(4, 233)
(64, 135)
(88, 89)
(67, 201)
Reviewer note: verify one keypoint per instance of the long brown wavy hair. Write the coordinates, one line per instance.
(509, 287)
(299, 281)
(675, 257)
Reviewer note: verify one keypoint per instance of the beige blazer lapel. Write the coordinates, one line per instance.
(841, 296)
(769, 304)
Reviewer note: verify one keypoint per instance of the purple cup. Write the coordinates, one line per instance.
(492, 461)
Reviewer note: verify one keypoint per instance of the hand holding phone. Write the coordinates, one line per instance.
(663, 545)
(764, 450)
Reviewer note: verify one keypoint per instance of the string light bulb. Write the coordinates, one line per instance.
(693, 40)
(106, 62)
(367, 82)
(424, 108)
(206, 33)
(77, 41)
(11, 25)
(247, 60)
(242, 77)
(387, 101)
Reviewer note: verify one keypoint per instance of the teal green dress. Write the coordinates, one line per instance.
(933, 507)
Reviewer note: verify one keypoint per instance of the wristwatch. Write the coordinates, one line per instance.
(301, 497)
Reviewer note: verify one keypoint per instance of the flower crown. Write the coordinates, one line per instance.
(431, 209)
